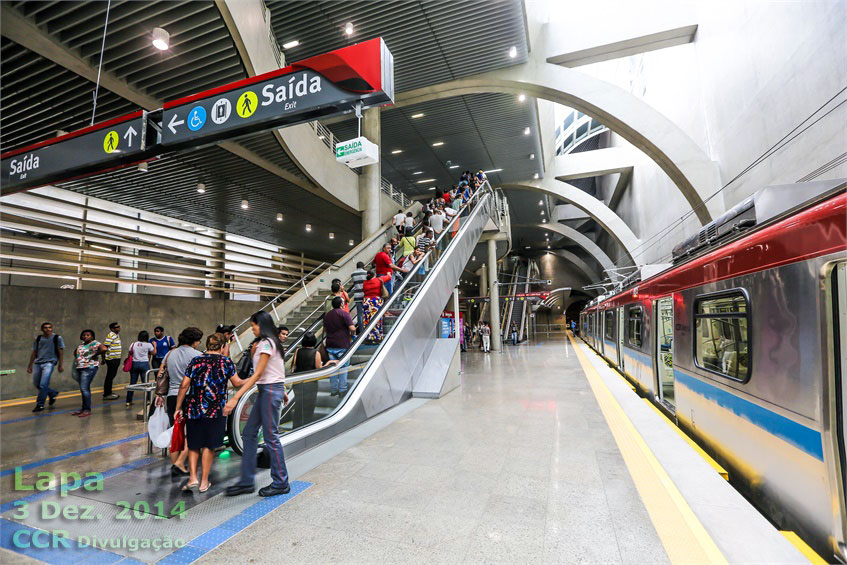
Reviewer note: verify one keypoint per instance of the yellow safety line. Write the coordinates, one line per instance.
(714, 464)
(29, 399)
(682, 534)
(804, 548)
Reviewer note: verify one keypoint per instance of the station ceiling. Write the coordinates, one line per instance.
(431, 41)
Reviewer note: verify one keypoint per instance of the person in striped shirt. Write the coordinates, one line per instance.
(112, 359)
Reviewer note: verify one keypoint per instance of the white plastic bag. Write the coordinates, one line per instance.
(158, 424)
(164, 438)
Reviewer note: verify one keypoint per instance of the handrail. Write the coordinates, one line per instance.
(318, 374)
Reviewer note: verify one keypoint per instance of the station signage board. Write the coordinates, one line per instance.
(316, 87)
(110, 144)
(357, 152)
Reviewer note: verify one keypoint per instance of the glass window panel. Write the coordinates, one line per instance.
(721, 337)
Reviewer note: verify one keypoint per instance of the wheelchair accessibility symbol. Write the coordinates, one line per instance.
(110, 142)
(196, 118)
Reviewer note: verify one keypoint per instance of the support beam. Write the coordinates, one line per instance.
(626, 47)
(581, 265)
(580, 239)
(494, 294)
(623, 182)
(594, 163)
(369, 180)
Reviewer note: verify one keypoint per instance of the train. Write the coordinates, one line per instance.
(742, 341)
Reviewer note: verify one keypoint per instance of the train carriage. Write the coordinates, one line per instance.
(742, 340)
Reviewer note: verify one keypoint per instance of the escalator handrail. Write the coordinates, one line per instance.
(319, 374)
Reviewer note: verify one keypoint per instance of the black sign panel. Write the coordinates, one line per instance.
(287, 99)
(109, 144)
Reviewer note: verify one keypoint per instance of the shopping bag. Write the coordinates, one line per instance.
(178, 437)
(164, 439)
(158, 423)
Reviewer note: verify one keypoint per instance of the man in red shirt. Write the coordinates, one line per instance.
(384, 265)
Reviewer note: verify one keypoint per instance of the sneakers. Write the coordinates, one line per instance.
(271, 490)
(235, 490)
(111, 397)
(38, 408)
(52, 400)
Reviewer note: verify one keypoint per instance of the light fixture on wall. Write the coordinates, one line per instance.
(279, 217)
(161, 39)
(245, 204)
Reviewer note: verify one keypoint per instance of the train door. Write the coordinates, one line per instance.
(663, 358)
(602, 333)
(621, 322)
(839, 341)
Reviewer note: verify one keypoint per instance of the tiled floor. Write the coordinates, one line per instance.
(515, 466)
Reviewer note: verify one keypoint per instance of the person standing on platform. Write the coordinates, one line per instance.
(485, 331)
(359, 276)
(269, 375)
(48, 351)
(86, 363)
(513, 331)
(163, 343)
(141, 352)
(112, 359)
(338, 327)
(204, 386)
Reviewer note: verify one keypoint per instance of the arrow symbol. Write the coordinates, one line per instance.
(128, 135)
(174, 122)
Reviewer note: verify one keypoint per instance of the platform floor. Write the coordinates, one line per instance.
(518, 465)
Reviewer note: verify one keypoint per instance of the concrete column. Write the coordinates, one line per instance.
(483, 281)
(494, 293)
(456, 326)
(371, 176)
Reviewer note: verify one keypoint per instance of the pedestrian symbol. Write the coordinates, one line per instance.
(110, 142)
(221, 111)
(196, 118)
(247, 104)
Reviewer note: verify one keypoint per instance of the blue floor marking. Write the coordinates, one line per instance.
(72, 454)
(51, 413)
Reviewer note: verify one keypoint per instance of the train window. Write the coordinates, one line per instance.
(721, 340)
(633, 325)
(610, 324)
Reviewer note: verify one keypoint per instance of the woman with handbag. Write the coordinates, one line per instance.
(140, 354)
(86, 363)
(375, 292)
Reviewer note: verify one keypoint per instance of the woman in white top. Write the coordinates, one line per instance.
(142, 352)
(269, 375)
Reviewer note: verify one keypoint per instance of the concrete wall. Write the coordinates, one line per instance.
(756, 71)
(71, 311)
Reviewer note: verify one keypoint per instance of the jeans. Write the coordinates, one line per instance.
(389, 285)
(41, 373)
(337, 380)
(139, 368)
(359, 311)
(111, 372)
(265, 413)
(514, 338)
(85, 378)
(156, 362)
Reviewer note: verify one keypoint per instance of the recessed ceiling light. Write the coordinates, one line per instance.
(308, 227)
(513, 52)
(142, 167)
(492, 171)
(521, 97)
(350, 243)
(542, 212)
(332, 235)
(532, 156)
(279, 217)
(418, 115)
(473, 258)
(396, 151)
(290, 44)
(535, 176)
(526, 130)
(454, 166)
(348, 29)
(161, 39)
(201, 188)
(438, 144)
(321, 136)
(245, 204)
(541, 203)
(527, 247)
(418, 173)
(432, 188)
(422, 181)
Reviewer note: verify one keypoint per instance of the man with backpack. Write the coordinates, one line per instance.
(163, 343)
(48, 350)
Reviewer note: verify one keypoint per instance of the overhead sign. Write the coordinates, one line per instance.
(110, 144)
(317, 87)
(357, 152)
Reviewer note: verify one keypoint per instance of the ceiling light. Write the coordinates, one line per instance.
(492, 171)
(548, 247)
(542, 212)
(535, 176)
(544, 221)
(161, 39)
(513, 52)
(348, 29)
(418, 115)
(418, 173)
(396, 151)
(473, 258)
(332, 235)
(438, 144)
(321, 136)
(541, 203)
(521, 97)
(454, 166)
(245, 204)
(532, 156)
(351, 243)
(142, 167)
(308, 227)
(279, 217)
(526, 130)
(527, 247)
(432, 188)
(290, 44)
(201, 188)
(425, 181)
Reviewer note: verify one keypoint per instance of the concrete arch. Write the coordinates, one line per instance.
(595, 208)
(580, 239)
(688, 166)
(581, 265)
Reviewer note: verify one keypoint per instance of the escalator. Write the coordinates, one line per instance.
(516, 310)
(380, 373)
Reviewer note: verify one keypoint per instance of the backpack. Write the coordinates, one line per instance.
(55, 344)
